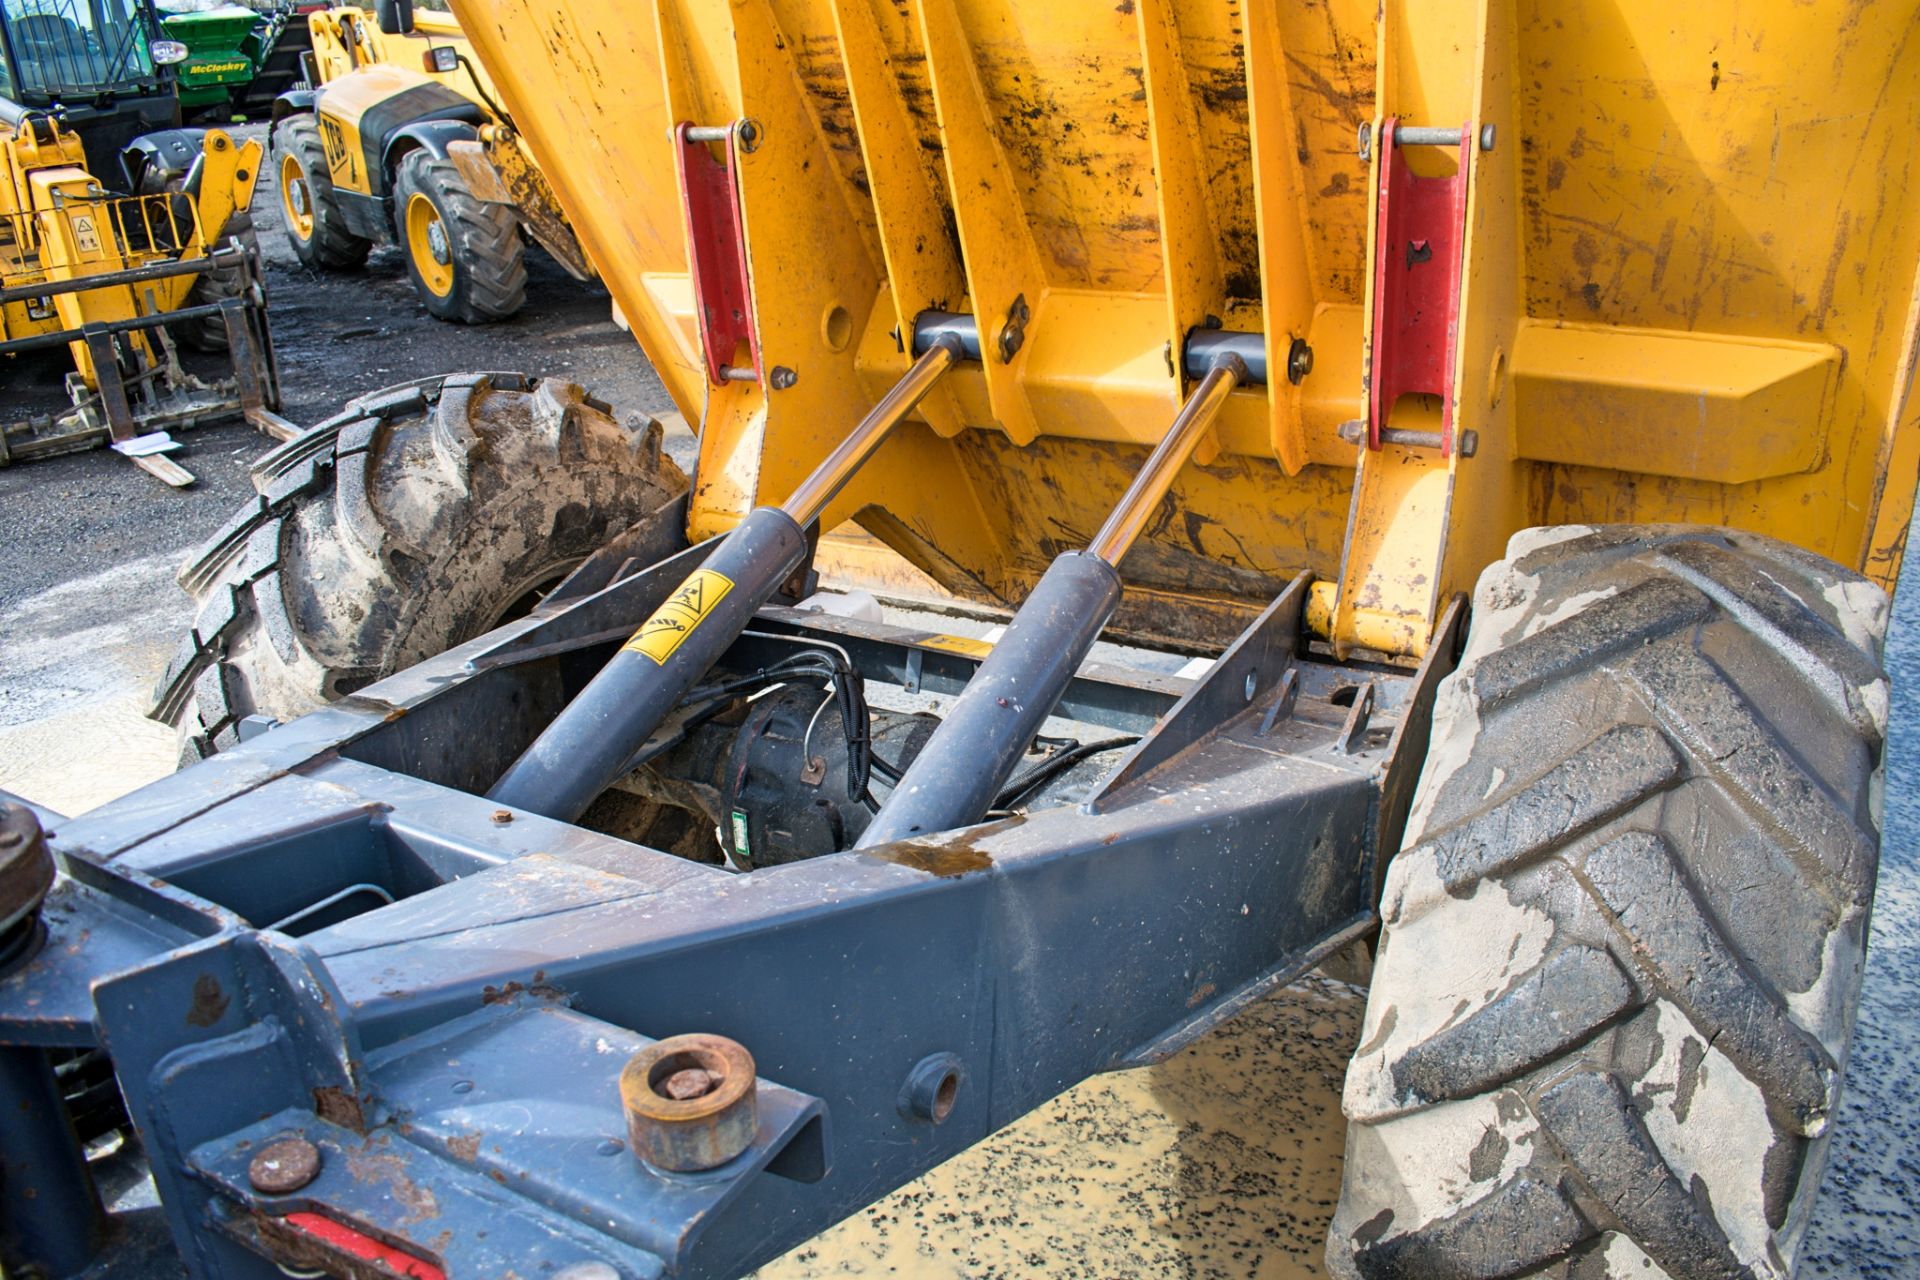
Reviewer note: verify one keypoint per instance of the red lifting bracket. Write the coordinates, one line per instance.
(1420, 231)
(717, 245)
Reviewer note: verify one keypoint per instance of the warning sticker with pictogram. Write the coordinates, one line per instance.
(673, 621)
(85, 234)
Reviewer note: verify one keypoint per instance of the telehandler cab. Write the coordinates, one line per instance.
(1514, 401)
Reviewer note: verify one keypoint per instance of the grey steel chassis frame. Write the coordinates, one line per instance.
(453, 1054)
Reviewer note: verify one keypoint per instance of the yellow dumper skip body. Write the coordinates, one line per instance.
(1687, 276)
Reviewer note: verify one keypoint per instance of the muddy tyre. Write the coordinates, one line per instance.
(421, 517)
(1622, 946)
(316, 225)
(209, 333)
(464, 255)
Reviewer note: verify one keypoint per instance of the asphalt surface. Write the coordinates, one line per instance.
(1223, 1161)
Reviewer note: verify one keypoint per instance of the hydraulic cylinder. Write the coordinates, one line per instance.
(591, 741)
(981, 740)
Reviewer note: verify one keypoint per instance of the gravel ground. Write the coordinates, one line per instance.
(337, 336)
(1223, 1161)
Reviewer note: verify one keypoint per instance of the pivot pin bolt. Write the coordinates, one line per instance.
(284, 1166)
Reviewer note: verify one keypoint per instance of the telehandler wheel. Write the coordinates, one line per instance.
(421, 517)
(1622, 947)
(209, 333)
(464, 254)
(316, 228)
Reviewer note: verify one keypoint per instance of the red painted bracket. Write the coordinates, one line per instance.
(386, 1259)
(717, 250)
(1420, 231)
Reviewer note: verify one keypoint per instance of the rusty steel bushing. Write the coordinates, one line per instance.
(26, 874)
(689, 1102)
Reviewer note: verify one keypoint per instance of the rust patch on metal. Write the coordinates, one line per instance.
(417, 1201)
(336, 1106)
(539, 987)
(935, 859)
(465, 1147)
(209, 1002)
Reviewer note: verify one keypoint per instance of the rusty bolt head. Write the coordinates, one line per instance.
(782, 377)
(284, 1166)
(694, 1082)
(689, 1102)
(503, 816)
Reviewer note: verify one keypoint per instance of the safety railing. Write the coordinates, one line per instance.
(141, 230)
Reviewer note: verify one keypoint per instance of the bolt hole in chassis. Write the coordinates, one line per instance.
(454, 1056)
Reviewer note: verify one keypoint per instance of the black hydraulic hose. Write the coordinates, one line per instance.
(1052, 767)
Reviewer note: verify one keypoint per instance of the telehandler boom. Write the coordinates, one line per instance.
(1513, 402)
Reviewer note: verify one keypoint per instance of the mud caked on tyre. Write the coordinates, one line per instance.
(464, 255)
(1623, 944)
(421, 517)
(316, 225)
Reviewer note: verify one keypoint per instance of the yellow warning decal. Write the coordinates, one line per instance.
(675, 620)
(958, 644)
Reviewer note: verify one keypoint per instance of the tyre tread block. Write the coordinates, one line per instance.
(1592, 1120)
(1705, 711)
(1778, 618)
(1578, 991)
(202, 569)
(1610, 775)
(1676, 943)
(1511, 1232)
(1641, 613)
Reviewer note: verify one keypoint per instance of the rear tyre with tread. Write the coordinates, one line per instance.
(421, 517)
(326, 243)
(1622, 947)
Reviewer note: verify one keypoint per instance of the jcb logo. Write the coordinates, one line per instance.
(340, 156)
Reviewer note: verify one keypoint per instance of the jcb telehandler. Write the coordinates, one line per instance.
(1515, 400)
(117, 237)
(400, 140)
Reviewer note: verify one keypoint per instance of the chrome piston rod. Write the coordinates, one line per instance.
(953, 781)
(589, 743)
